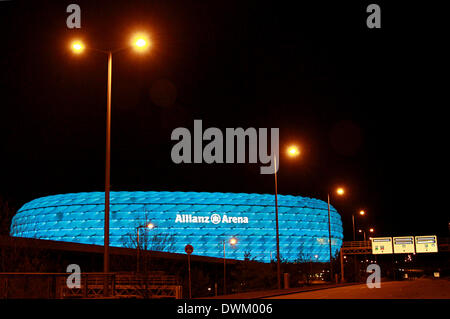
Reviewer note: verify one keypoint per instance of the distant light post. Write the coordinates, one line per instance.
(292, 151)
(276, 225)
(340, 191)
(364, 233)
(362, 213)
(148, 226)
(140, 43)
(233, 241)
(371, 230)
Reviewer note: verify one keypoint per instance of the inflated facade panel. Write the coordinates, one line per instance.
(204, 220)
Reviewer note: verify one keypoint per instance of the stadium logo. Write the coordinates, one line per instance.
(214, 219)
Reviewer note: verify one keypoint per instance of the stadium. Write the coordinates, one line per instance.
(204, 220)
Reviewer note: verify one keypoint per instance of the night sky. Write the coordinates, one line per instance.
(364, 104)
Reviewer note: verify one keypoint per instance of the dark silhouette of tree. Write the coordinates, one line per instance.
(148, 240)
(6, 215)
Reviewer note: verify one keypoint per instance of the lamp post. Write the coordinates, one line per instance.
(357, 270)
(233, 242)
(292, 151)
(355, 258)
(371, 230)
(362, 213)
(107, 166)
(329, 239)
(364, 233)
(276, 225)
(340, 191)
(148, 226)
(140, 43)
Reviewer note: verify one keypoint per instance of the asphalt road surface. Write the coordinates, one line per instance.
(414, 289)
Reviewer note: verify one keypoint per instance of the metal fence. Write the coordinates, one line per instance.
(119, 285)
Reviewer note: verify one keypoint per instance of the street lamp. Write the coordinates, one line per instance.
(364, 233)
(292, 151)
(139, 42)
(340, 191)
(371, 230)
(233, 241)
(362, 213)
(77, 46)
(148, 226)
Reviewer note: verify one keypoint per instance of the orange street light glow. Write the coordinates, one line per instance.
(362, 212)
(150, 226)
(140, 42)
(233, 241)
(293, 151)
(371, 230)
(340, 191)
(77, 46)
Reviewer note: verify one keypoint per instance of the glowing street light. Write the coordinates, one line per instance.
(293, 151)
(78, 47)
(371, 230)
(140, 42)
(362, 213)
(339, 191)
(232, 242)
(149, 226)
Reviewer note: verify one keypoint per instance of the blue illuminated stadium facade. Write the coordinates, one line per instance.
(203, 220)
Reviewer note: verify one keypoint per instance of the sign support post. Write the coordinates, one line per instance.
(189, 249)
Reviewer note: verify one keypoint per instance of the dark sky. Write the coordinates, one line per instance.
(363, 104)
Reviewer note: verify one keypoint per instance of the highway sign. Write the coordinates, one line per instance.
(404, 245)
(426, 244)
(382, 245)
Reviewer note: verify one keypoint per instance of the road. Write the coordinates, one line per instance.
(414, 289)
